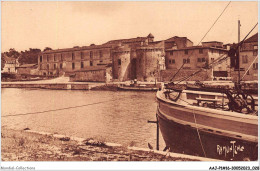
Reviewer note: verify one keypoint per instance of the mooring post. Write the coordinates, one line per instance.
(157, 132)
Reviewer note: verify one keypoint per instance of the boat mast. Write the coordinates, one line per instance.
(238, 53)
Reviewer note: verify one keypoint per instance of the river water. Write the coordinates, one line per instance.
(111, 116)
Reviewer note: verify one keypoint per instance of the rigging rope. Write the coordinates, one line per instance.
(66, 108)
(249, 68)
(202, 39)
(198, 133)
(218, 60)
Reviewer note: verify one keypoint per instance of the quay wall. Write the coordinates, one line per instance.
(53, 86)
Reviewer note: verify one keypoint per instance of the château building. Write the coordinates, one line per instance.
(139, 58)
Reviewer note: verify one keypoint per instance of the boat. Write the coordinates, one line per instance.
(209, 122)
(135, 86)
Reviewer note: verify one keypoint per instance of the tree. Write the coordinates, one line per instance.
(2, 61)
(12, 53)
(29, 57)
(47, 48)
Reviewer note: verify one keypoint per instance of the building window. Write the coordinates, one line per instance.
(186, 52)
(73, 65)
(184, 61)
(47, 58)
(255, 52)
(100, 54)
(81, 55)
(48, 67)
(40, 58)
(255, 66)
(60, 65)
(119, 61)
(171, 52)
(91, 55)
(54, 66)
(200, 50)
(73, 56)
(55, 57)
(199, 59)
(188, 60)
(170, 61)
(212, 59)
(203, 59)
(91, 63)
(173, 61)
(82, 65)
(244, 59)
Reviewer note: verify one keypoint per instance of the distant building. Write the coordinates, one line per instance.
(11, 65)
(93, 74)
(142, 62)
(132, 58)
(57, 62)
(27, 69)
(139, 58)
(177, 43)
(248, 59)
(195, 57)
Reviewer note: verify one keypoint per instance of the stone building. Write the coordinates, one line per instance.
(177, 43)
(195, 57)
(248, 59)
(93, 74)
(11, 65)
(138, 58)
(27, 69)
(57, 62)
(150, 62)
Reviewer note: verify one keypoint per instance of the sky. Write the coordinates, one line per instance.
(66, 24)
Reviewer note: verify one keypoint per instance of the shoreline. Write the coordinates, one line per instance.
(29, 145)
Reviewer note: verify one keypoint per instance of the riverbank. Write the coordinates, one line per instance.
(27, 145)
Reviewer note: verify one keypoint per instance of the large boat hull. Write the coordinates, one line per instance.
(189, 133)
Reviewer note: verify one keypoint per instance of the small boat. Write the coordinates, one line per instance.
(209, 122)
(135, 86)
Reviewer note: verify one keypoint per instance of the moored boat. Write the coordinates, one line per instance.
(210, 123)
(135, 86)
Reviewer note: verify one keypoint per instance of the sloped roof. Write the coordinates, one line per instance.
(150, 35)
(8, 59)
(27, 65)
(176, 37)
(77, 48)
(137, 39)
(195, 47)
(212, 42)
(253, 38)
